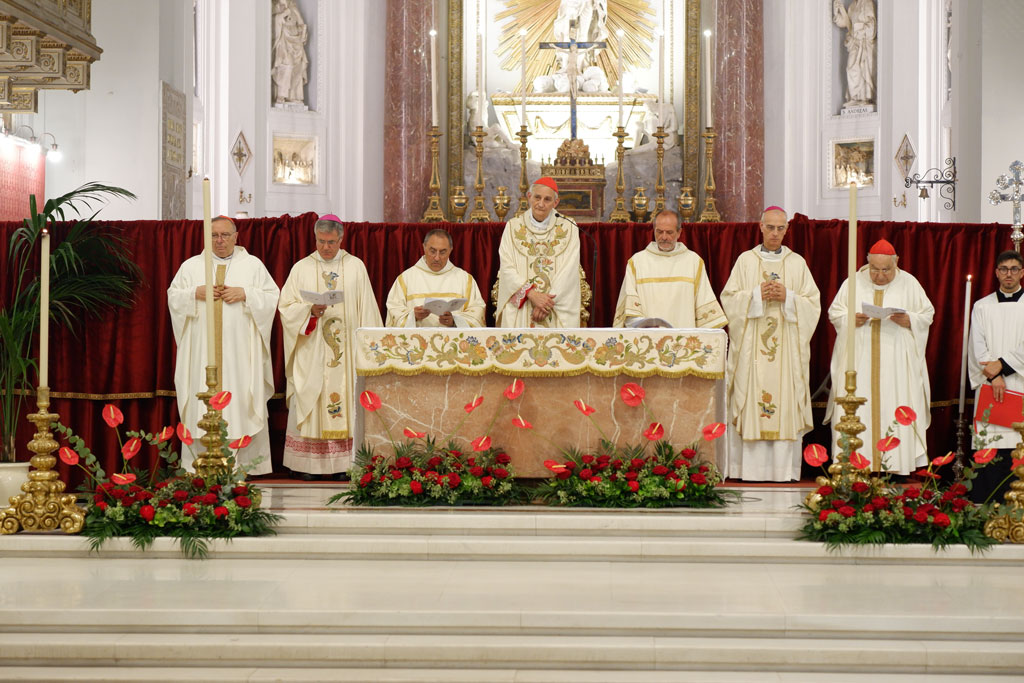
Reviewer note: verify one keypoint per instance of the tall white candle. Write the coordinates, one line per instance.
(481, 112)
(661, 66)
(622, 74)
(44, 308)
(433, 77)
(851, 282)
(211, 356)
(963, 343)
(522, 75)
(708, 121)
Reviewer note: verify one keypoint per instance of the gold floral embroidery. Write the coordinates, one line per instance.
(766, 404)
(769, 340)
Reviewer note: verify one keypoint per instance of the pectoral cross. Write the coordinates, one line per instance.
(572, 46)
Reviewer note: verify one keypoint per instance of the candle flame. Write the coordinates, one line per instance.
(707, 32)
(433, 32)
(969, 278)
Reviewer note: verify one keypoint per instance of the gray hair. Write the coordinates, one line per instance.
(532, 187)
(439, 232)
(323, 225)
(668, 212)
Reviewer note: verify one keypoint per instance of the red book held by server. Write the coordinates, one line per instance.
(1003, 414)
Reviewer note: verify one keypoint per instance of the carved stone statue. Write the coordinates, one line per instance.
(290, 65)
(859, 21)
(658, 114)
(590, 17)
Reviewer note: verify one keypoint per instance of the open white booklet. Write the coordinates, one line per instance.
(648, 322)
(442, 306)
(872, 311)
(331, 296)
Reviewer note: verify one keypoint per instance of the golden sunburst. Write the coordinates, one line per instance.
(634, 17)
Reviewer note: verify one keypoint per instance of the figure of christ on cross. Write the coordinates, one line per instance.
(570, 68)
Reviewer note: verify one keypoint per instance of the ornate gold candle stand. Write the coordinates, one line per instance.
(1007, 522)
(211, 461)
(659, 183)
(687, 204)
(640, 203)
(501, 203)
(710, 213)
(619, 213)
(434, 213)
(841, 472)
(524, 186)
(43, 506)
(479, 213)
(459, 203)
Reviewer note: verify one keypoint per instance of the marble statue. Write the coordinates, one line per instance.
(290, 64)
(859, 21)
(657, 114)
(591, 19)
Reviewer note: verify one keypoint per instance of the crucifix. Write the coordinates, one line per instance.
(1004, 182)
(572, 46)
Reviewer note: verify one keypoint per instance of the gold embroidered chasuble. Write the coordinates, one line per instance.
(419, 283)
(672, 285)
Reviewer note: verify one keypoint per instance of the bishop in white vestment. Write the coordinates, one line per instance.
(890, 362)
(773, 307)
(318, 343)
(434, 277)
(539, 272)
(668, 281)
(245, 300)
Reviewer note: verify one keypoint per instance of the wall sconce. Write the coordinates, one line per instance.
(945, 179)
(244, 198)
(52, 154)
(901, 203)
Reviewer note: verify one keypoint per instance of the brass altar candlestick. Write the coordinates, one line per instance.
(43, 506)
(479, 213)
(687, 204)
(841, 471)
(434, 213)
(524, 186)
(211, 461)
(459, 203)
(710, 213)
(659, 183)
(1006, 524)
(619, 213)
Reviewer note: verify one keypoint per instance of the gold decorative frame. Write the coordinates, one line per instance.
(690, 147)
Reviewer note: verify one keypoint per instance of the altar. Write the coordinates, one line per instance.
(428, 378)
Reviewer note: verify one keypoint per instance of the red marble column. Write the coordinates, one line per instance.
(739, 109)
(406, 110)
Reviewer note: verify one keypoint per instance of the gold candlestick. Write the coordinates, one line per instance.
(434, 213)
(479, 213)
(659, 183)
(710, 213)
(459, 203)
(43, 506)
(501, 203)
(687, 204)
(619, 213)
(1006, 523)
(640, 203)
(212, 461)
(524, 187)
(841, 472)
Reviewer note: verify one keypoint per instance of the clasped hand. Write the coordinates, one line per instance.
(543, 304)
(773, 290)
(229, 295)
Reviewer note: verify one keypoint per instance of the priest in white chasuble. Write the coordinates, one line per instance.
(318, 343)
(435, 277)
(890, 341)
(244, 300)
(995, 357)
(668, 281)
(539, 270)
(773, 308)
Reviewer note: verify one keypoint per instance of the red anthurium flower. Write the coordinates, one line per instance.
(859, 461)
(122, 478)
(943, 460)
(481, 443)
(583, 407)
(112, 415)
(413, 434)
(512, 391)
(184, 434)
(654, 431)
(522, 423)
(165, 433)
(220, 400)
(370, 401)
(983, 456)
(924, 472)
(68, 456)
(554, 466)
(905, 415)
(1015, 463)
(632, 394)
(131, 448)
(713, 431)
(815, 455)
(238, 444)
(887, 444)
(472, 405)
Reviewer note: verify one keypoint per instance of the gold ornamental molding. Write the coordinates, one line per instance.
(44, 45)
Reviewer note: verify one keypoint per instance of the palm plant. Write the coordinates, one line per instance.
(90, 271)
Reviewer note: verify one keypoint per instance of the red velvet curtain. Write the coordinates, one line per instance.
(127, 356)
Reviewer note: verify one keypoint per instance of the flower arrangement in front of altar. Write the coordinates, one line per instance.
(144, 504)
(424, 470)
(630, 476)
(852, 508)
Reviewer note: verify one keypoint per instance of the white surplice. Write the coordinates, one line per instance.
(672, 285)
(319, 363)
(419, 283)
(246, 369)
(769, 364)
(997, 332)
(891, 368)
(544, 255)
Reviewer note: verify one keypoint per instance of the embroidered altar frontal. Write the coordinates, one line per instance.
(425, 377)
